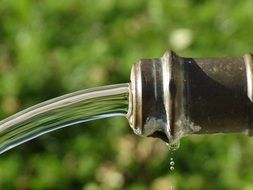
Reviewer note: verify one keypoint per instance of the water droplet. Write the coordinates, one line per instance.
(174, 146)
(172, 163)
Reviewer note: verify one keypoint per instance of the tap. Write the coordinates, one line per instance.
(172, 96)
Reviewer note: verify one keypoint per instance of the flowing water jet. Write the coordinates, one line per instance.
(78, 107)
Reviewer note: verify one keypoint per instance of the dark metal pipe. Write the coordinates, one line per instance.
(172, 96)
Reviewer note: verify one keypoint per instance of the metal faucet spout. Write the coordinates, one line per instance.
(173, 96)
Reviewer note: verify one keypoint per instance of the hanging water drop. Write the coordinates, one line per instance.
(174, 146)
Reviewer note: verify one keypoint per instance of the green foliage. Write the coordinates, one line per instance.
(49, 48)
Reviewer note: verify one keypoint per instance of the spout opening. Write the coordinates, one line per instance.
(153, 95)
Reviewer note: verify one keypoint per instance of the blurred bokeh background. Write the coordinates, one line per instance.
(50, 48)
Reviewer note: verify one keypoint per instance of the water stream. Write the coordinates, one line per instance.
(172, 148)
(67, 110)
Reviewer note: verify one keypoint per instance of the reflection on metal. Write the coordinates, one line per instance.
(175, 96)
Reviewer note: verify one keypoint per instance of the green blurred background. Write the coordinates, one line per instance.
(49, 48)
